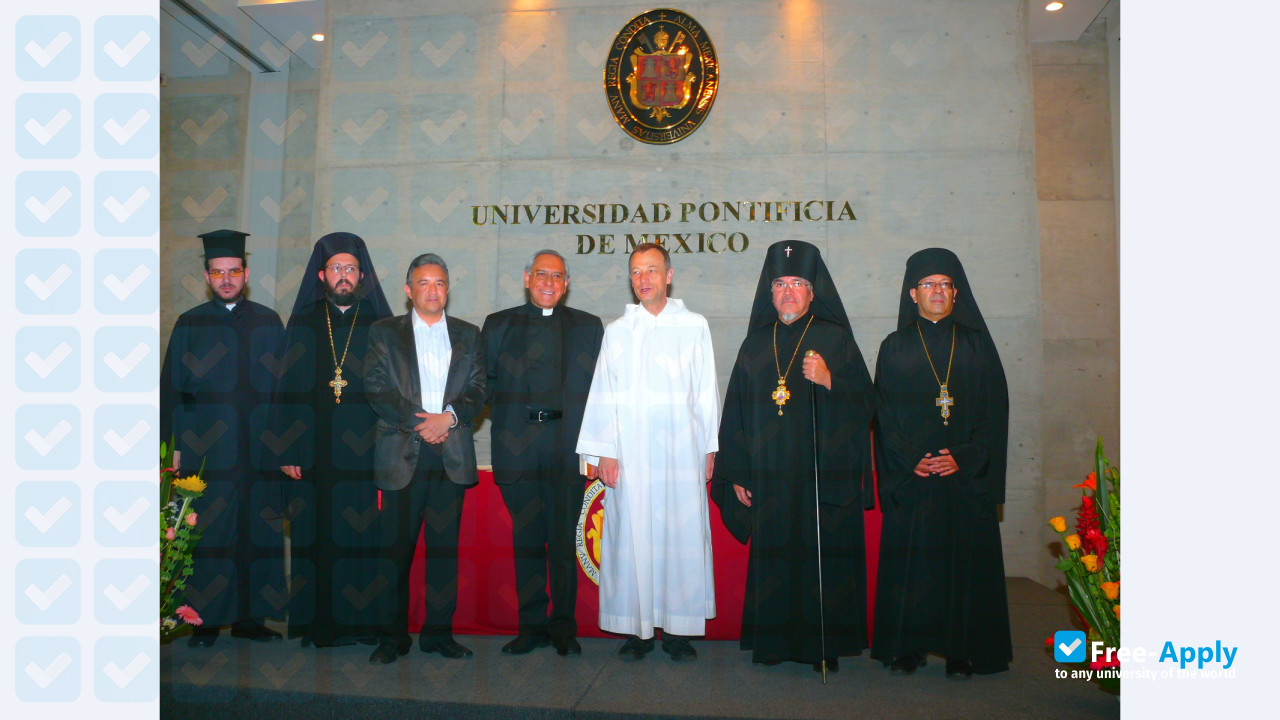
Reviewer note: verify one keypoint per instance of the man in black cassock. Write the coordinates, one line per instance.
(541, 356)
(764, 473)
(323, 442)
(942, 433)
(215, 395)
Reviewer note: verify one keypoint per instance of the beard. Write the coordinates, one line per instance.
(344, 297)
(788, 318)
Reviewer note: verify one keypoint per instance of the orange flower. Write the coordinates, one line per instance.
(1117, 611)
(1090, 483)
(1111, 590)
(1059, 523)
(191, 519)
(1073, 541)
(1090, 562)
(169, 534)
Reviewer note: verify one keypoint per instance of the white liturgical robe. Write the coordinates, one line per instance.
(655, 407)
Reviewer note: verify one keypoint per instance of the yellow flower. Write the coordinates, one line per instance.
(1117, 611)
(190, 484)
(1090, 562)
(1073, 541)
(1111, 590)
(1059, 523)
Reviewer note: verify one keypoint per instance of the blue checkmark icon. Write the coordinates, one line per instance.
(1069, 646)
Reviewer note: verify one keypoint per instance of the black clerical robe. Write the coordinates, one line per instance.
(941, 585)
(771, 455)
(215, 395)
(340, 580)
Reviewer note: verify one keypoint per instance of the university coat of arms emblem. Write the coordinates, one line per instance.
(661, 76)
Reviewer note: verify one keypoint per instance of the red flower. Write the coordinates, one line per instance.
(1092, 541)
(1090, 483)
(188, 615)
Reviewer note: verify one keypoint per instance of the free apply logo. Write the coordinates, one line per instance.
(1071, 646)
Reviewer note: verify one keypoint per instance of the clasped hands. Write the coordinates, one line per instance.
(942, 464)
(434, 427)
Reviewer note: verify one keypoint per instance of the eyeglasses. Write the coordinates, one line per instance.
(548, 275)
(342, 269)
(793, 284)
(233, 272)
(944, 286)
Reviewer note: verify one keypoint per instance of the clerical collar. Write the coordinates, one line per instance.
(547, 312)
(231, 306)
(339, 308)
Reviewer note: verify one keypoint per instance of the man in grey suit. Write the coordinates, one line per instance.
(426, 383)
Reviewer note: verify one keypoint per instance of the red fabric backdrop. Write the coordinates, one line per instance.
(486, 576)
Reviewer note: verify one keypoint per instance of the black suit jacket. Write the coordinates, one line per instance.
(507, 355)
(395, 392)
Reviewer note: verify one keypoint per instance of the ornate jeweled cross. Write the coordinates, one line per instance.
(338, 383)
(781, 395)
(945, 402)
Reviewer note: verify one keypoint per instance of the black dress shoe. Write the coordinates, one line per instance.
(203, 637)
(447, 647)
(907, 663)
(566, 646)
(386, 653)
(769, 663)
(255, 631)
(635, 648)
(678, 648)
(526, 644)
(958, 669)
(833, 665)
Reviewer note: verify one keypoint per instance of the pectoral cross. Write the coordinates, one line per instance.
(945, 402)
(338, 383)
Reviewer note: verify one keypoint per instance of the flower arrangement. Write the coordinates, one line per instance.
(1092, 559)
(178, 537)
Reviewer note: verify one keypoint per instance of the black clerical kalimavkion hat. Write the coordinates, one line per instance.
(939, 261)
(337, 243)
(223, 243)
(796, 258)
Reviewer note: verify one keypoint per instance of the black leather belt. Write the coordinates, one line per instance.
(538, 416)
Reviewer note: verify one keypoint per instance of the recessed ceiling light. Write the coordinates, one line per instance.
(1053, 6)
(319, 37)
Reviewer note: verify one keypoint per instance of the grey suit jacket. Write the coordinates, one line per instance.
(395, 391)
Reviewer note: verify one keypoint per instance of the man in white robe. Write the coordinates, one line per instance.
(651, 425)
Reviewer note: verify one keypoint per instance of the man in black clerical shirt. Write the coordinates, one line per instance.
(215, 388)
(942, 432)
(764, 474)
(541, 357)
(323, 442)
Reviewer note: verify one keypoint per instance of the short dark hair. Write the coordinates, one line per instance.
(425, 259)
(644, 247)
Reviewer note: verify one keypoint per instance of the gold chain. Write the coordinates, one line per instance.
(781, 395)
(338, 383)
(944, 399)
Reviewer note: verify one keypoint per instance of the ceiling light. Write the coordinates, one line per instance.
(319, 37)
(1053, 6)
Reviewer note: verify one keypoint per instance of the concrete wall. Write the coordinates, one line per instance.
(918, 113)
(1079, 260)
